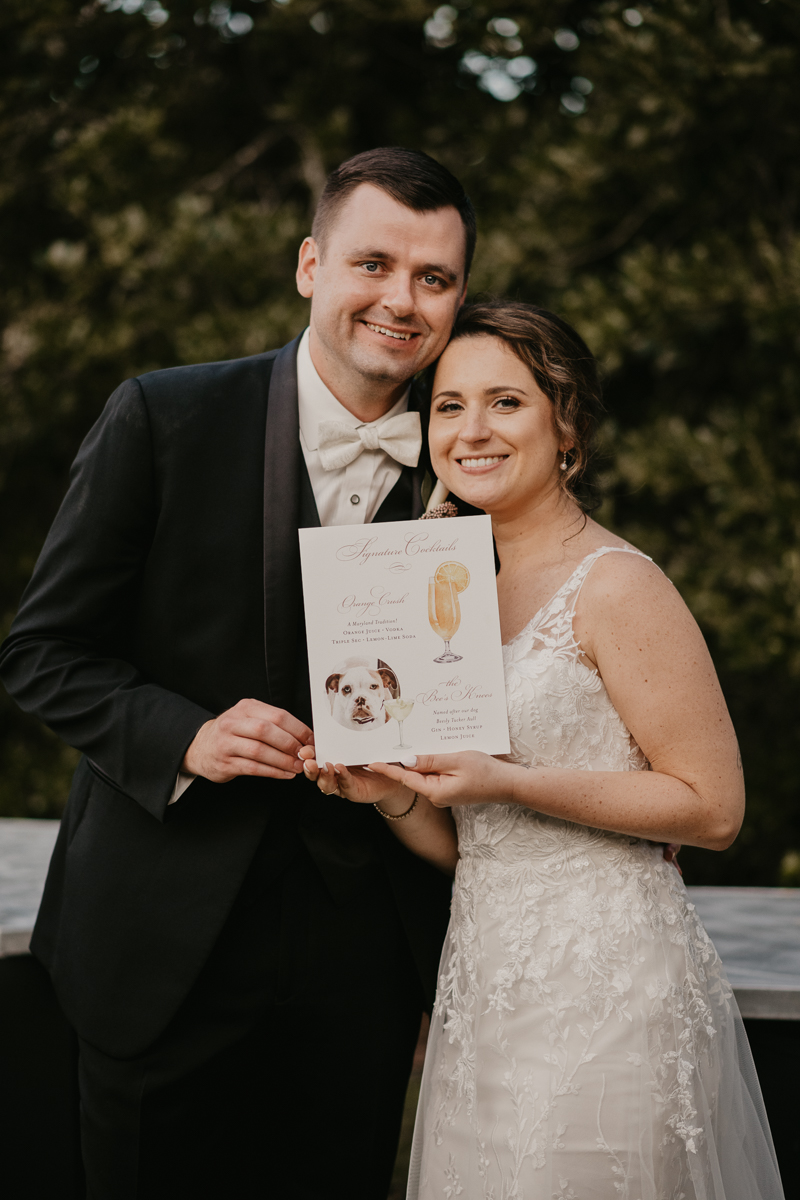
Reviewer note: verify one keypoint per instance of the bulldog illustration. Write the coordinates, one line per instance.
(358, 693)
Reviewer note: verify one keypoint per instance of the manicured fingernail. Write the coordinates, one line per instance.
(411, 761)
(336, 771)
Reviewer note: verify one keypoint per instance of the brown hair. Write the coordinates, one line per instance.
(562, 365)
(409, 177)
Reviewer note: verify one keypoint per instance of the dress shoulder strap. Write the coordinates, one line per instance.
(552, 624)
(578, 578)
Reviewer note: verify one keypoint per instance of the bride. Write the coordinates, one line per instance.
(585, 1043)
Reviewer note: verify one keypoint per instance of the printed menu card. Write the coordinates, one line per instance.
(403, 636)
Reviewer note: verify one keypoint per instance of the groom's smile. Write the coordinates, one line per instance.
(385, 283)
(395, 341)
(392, 333)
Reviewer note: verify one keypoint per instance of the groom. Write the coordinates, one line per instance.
(245, 962)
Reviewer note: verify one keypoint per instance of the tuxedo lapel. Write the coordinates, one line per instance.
(417, 506)
(419, 401)
(405, 501)
(282, 476)
(308, 512)
(399, 504)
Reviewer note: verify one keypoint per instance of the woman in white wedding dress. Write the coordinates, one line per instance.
(585, 1043)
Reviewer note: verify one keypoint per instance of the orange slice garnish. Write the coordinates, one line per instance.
(455, 573)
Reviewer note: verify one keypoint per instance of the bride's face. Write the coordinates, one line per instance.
(493, 440)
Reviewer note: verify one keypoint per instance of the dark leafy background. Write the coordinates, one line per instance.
(160, 168)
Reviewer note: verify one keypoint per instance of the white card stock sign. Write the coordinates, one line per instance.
(403, 636)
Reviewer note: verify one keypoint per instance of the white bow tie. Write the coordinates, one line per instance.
(341, 444)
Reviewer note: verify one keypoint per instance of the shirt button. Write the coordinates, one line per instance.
(355, 499)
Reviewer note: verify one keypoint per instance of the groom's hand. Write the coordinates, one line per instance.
(251, 738)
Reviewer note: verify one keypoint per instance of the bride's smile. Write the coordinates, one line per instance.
(492, 435)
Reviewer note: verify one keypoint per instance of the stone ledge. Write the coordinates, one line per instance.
(769, 1004)
(25, 849)
(14, 941)
(755, 930)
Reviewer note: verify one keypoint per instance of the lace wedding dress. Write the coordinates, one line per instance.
(585, 1043)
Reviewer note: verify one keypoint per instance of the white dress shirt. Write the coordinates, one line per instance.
(348, 495)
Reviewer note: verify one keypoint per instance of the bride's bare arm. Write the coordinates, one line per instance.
(425, 829)
(658, 672)
(656, 667)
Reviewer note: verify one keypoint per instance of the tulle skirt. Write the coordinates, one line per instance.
(585, 1043)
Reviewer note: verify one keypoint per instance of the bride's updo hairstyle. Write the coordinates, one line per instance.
(564, 369)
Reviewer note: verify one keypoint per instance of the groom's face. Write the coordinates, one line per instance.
(385, 286)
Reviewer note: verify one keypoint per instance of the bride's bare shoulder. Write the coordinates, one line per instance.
(629, 582)
(594, 537)
(628, 602)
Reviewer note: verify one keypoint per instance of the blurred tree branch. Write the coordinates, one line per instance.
(237, 162)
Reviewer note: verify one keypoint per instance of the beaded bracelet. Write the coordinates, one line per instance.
(400, 816)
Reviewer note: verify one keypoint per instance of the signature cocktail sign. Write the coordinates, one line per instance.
(403, 639)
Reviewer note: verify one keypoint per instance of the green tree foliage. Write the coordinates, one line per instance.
(635, 168)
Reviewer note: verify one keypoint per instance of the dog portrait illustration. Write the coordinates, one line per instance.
(358, 691)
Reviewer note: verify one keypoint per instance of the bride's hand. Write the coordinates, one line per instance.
(452, 779)
(358, 784)
(324, 776)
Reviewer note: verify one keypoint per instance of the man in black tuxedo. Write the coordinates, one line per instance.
(245, 961)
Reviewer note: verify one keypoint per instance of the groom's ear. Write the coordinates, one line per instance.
(307, 263)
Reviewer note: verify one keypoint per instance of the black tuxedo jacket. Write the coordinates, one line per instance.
(167, 590)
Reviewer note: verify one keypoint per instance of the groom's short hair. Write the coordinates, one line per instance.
(410, 177)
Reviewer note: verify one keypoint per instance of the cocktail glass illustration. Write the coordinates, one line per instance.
(400, 710)
(444, 613)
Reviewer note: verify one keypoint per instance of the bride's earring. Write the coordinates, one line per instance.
(564, 462)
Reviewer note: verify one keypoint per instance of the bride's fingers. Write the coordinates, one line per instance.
(326, 780)
(343, 777)
(437, 764)
(324, 776)
(351, 781)
(426, 785)
(434, 764)
(414, 768)
(358, 784)
(390, 770)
